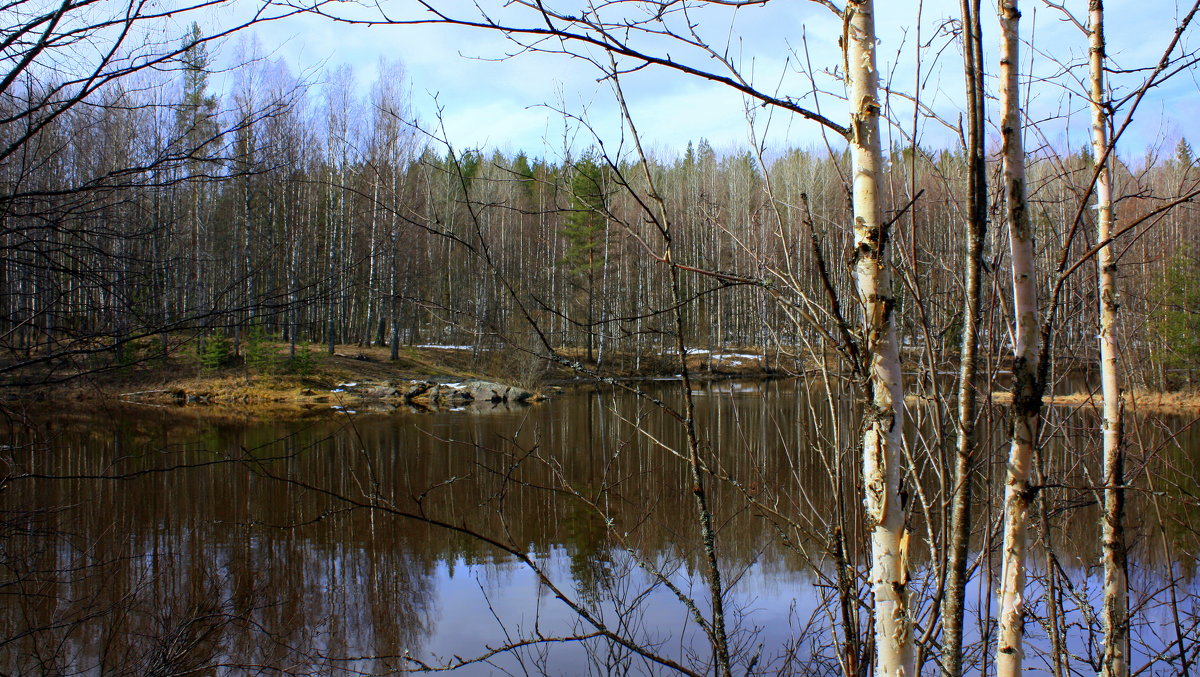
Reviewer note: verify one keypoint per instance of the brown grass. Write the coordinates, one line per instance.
(1143, 401)
(179, 375)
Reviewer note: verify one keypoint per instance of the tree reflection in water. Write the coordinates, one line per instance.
(154, 544)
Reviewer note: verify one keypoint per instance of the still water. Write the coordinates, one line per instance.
(147, 541)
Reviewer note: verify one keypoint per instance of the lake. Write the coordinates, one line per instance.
(150, 541)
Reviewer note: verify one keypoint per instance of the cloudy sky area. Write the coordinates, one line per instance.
(490, 101)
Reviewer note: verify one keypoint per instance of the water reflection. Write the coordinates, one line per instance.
(372, 544)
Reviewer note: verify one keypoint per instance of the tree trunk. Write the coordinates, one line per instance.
(883, 418)
(333, 282)
(960, 519)
(1027, 387)
(1116, 603)
(368, 325)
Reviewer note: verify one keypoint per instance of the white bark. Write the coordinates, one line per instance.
(1027, 389)
(368, 336)
(884, 420)
(1116, 603)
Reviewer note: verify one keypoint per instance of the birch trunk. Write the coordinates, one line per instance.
(393, 303)
(331, 301)
(1027, 387)
(1116, 604)
(369, 329)
(883, 419)
(247, 260)
(976, 227)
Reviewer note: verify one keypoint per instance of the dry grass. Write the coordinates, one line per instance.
(1143, 401)
(238, 393)
(179, 376)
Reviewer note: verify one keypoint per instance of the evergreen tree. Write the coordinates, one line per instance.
(196, 113)
(1178, 322)
(196, 122)
(585, 229)
(1183, 153)
(523, 174)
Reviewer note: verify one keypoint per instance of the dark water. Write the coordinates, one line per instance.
(146, 542)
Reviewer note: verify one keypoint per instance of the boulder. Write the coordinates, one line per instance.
(381, 392)
(487, 391)
(450, 393)
(442, 395)
(417, 389)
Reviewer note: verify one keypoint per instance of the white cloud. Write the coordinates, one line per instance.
(490, 100)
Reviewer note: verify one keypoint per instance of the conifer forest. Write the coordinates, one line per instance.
(869, 403)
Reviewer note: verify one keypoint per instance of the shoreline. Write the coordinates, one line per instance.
(425, 378)
(353, 379)
(1137, 401)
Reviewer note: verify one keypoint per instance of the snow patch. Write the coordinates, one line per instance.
(736, 356)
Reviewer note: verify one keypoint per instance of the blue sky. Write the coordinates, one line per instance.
(490, 101)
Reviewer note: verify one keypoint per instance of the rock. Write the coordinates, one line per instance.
(417, 390)
(452, 395)
(488, 391)
(450, 392)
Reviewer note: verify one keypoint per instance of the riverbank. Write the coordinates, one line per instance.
(263, 383)
(1137, 401)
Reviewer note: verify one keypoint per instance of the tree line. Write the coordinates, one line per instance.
(326, 213)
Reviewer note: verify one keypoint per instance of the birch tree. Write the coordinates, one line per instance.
(1027, 380)
(1116, 604)
(884, 418)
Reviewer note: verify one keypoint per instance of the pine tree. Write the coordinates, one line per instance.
(585, 228)
(1183, 153)
(1178, 322)
(196, 122)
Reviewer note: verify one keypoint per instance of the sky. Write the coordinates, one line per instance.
(469, 81)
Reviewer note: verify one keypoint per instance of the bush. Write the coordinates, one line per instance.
(303, 363)
(216, 351)
(126, 353)
(260, 353)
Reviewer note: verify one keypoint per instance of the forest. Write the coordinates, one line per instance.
(162, 208)
(948, 294)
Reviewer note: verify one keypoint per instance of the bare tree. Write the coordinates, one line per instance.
(1028, 382)
(966, 444)
(73, 202)
(1116, 603)
(884, 419)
